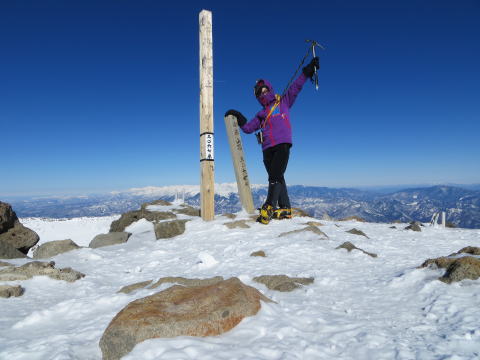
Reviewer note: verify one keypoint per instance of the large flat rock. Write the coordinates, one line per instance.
(180, 311)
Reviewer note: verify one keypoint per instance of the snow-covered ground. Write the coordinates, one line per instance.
(81, 230)
(359, 307)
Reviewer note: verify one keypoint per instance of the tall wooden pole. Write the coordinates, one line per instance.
(206, 117)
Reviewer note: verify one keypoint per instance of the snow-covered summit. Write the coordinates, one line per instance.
(358, 307)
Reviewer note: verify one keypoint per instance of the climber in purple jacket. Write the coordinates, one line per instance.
(275, 136)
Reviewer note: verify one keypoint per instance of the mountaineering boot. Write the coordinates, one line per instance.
(282, 213)
(266, 213)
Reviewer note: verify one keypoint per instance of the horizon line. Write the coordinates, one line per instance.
(74, 193)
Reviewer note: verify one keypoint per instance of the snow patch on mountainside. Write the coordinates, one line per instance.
(224, 189)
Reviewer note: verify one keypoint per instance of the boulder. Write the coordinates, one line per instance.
(258, 253)
(187, 210)
(169, 229)
(392, 227)
(354, 218)
(7, 291)
(441, 262)
(130, 288)
(130, 217)
(357, 232)
(39, 268)
(237, 224)
(311, 228)
(112, 238)
(187, 282)
(180, 311)
(414, 226)
(349, 247)
(457, 267)
(282, 282)
(20, 237)
(8, 218)
(52, 248)
(466, 267)
(7, 251)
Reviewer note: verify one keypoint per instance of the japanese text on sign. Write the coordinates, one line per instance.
(209, 146)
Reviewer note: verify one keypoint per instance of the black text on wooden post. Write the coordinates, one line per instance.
(239, 164)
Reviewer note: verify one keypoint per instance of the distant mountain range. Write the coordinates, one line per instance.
(461, 205)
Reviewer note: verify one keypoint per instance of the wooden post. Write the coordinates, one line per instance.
(239, 164)
(207, 180)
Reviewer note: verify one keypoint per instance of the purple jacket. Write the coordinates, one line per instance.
(277, 129)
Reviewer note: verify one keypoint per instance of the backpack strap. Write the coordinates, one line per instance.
(272, 109)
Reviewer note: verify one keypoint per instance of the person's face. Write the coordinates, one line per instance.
(260, 88)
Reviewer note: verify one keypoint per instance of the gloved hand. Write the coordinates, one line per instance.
(241, 120)
(309, 70)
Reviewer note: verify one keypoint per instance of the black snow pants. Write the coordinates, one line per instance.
(276, 160)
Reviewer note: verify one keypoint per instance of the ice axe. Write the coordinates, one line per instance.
(310, 48)
(314, 43)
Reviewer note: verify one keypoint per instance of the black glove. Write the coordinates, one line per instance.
(241, 120)
(309, 70)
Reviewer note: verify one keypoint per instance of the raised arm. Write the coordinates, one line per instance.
(294, 89)
(297, 85)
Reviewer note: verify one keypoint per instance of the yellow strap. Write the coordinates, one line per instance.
(277, 101)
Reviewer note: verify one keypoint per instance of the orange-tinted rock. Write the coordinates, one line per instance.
(180, 311)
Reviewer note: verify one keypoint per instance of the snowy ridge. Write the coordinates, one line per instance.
(462, 206)
(358, 307)
(223, 189)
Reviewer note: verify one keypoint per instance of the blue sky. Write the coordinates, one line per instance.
(104, 95)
